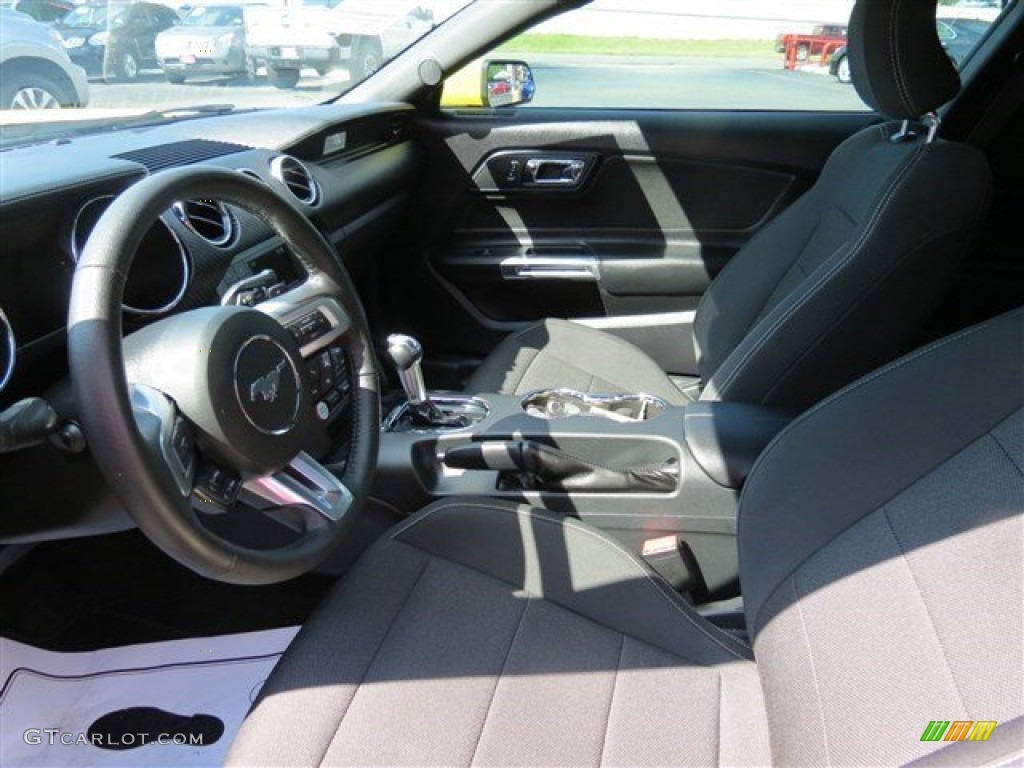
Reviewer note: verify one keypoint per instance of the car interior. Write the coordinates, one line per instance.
(386, 432)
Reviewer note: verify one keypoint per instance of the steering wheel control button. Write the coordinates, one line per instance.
(181, 444)
(326, 370)
(310, 327)
(267, 385)
(253, 297)
(216, 487)
(339, 365)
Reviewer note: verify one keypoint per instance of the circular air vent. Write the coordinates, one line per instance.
(7, 350)
(296, 177)
(209, 219)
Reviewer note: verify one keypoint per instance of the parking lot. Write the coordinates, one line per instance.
(562, 81)
(152, 91)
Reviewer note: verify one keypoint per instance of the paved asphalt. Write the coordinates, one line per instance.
(565, 81)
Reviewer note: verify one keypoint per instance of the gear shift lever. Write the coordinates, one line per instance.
(407, 354)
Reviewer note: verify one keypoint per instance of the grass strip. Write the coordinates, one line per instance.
(636, 46)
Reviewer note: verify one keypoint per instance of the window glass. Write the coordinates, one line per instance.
(212, 16)
(142, 65)
(92, 15)
(711, 54)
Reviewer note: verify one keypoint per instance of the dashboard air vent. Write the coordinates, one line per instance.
(209, 219)
(180, 153)
(8, 349)
(296, 177)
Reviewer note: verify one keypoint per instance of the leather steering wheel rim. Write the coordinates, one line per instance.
(97, 365)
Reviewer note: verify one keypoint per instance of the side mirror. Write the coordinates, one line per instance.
(490, 83)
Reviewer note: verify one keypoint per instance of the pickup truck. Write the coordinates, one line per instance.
(808, 45)
(323, 34)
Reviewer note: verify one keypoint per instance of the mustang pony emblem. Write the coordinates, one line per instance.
(267, 386)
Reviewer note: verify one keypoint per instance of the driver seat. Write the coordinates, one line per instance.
(881, 549)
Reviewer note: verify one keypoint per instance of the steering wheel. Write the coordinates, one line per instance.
(218, 399)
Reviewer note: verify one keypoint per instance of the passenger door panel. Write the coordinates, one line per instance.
(664, 199)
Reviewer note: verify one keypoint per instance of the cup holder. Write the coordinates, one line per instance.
(563, 403)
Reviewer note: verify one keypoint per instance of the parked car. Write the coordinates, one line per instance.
(369, 32)
(209, 40)
(35, 71)
(958, 36)
(288, 39)
(839, 65)
(46, 11)
(360, 34)
(115, 39)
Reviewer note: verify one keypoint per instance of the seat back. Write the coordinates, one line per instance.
(881, 553)
(845, 279)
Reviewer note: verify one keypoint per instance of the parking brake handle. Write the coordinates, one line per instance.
(529, 465)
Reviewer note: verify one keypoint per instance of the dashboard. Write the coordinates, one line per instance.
(349, 169)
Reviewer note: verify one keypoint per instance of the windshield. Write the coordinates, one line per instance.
(92, 16)
(141, 61)
(214, 16)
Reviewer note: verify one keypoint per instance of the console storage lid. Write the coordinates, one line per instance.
(726, 438)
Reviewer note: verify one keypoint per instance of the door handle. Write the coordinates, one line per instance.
(535, 171)
(553, 171)
(550, 268)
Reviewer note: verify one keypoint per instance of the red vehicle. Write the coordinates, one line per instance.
(821, 43)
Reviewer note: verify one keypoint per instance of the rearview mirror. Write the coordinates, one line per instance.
(489, 83)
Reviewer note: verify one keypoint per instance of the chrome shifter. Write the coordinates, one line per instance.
(407, 355)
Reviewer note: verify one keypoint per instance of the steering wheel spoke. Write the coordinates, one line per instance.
(305, 486)
(314, 320)
(167, 433)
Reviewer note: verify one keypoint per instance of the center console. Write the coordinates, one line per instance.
(627, 463)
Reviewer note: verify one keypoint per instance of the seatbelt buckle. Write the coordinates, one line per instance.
(665, 555)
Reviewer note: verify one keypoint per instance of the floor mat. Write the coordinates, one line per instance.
(75, 595)
(138, 705)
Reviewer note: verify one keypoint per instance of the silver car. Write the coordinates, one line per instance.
(35, 71)
(209, 40)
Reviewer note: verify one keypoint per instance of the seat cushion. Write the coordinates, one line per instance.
(480, 632)
(881, 550)
(557, 354)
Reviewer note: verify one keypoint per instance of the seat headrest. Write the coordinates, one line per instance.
(898, 65)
